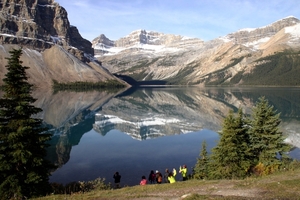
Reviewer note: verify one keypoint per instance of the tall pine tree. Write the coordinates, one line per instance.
(201, 169)
(230, 158)
(267, 141)
(24, 172)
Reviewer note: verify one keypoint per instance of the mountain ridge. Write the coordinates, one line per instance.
(279, 24)
(197, 62)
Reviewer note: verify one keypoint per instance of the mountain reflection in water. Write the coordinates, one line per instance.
(164, 127)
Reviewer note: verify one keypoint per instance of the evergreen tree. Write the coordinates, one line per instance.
(24, 172)
(201, 168)
(230, 158)
(267, 141)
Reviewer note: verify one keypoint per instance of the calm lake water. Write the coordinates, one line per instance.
(139, 130)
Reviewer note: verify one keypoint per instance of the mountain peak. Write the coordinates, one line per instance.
(282, 23)
(255, 36)
(141, 37)
(289, 18)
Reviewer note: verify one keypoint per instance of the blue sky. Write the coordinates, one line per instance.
(204, 19)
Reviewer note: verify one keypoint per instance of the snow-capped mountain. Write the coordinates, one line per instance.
(142, 40)
(231, 60)
(253, 37)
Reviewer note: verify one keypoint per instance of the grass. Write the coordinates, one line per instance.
(282, 185)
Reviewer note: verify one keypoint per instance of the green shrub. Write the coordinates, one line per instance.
(80, 186)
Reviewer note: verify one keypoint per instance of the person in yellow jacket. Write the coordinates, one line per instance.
(183, 171)
(171, 177)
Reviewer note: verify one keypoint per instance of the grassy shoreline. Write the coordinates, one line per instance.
(280, 185)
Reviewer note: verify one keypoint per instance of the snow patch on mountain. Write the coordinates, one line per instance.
(255, 44)
(139, 46)
(293, 30)
(186, 38)
(29, 38)
(225, 39)
(247, 29)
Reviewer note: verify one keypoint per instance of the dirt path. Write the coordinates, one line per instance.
(218, 190)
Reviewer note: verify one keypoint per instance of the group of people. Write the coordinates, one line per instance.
(157, 177)
(169, 177)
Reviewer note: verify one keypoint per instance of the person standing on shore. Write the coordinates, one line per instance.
(166, 175)
(183, 171)
(152, 177)
(117, 178)
(158, 177)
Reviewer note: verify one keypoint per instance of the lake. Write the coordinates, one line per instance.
(143, 129)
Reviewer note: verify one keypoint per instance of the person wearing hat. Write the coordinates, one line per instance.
(158, 177)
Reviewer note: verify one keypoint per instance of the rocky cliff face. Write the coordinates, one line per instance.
(42, 29)
(178, 60)
(39, 24)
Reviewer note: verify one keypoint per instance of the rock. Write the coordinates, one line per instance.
(52, 48)
(40, 24)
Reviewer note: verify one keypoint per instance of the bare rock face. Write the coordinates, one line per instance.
(52, 48)
(40, 24)
(102, 39)
(54, 63)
